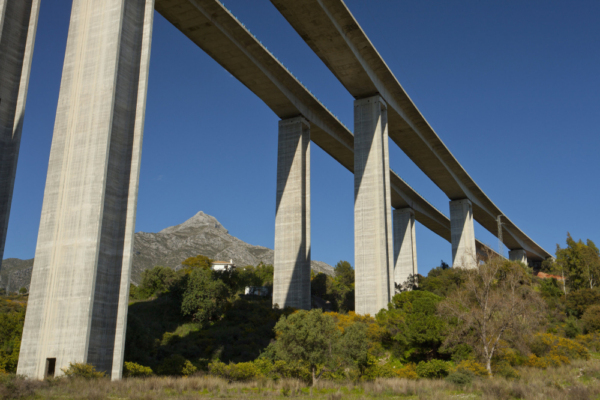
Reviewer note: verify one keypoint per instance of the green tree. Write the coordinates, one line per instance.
(200, 261)
(413, 326)
(344, 273)
(579, 300)
(580, 262)
(310, 337)
(11, 329)
(441, 280)
(156, 281)
(591, 318)
(204, 296)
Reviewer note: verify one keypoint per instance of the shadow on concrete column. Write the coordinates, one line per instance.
(405, 246)
(373, 247)
(291, 280)
(464, 254)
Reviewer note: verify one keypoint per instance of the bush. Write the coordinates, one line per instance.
(82, 370)
(460, 378)
(409, 371)
(176, 365)
(236, 372)
(591, 319)
(556, 350)
(579, 301)
(433, 369)
(131, 369)
(505, 370)
(472, 367)
(591, 341)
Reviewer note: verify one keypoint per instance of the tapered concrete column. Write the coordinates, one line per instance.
(462, 232)
(405, 245)
(373, 249)
(18, 24)
(518, 255)
(77, 309)
(291, 281)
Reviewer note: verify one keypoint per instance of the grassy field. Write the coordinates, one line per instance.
(580, 380)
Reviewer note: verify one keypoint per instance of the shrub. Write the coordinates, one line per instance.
(82, 370)
(591, 341)
(571, 328)
(188, 368)
(460, 378)
(505, 370)
(176, 365)
(236, 372)
(409, 371)
(131, 369)
(579, 301)
(472, 367)
(433, 369)
(557, 349)
(591, 318)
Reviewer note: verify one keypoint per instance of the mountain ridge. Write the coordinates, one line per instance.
(200, 234)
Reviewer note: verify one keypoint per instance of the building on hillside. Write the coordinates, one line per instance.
(257, 291)
(222, 265)
(544, 275)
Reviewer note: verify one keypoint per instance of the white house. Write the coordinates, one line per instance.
(222, 265)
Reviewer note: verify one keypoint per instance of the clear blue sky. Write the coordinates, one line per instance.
(511, 87)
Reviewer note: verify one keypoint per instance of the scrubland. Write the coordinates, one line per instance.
(579, 380)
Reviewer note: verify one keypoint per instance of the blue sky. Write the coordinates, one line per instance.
(512, 88)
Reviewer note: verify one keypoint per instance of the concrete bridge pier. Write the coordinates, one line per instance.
(373, 249)
(18, 24)
(518, 255)
(405, 245)
(77, 309)
(462, 232)
(291, 281)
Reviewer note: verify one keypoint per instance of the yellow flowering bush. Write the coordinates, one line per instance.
(471, 367)
(408, 371)
(591, 341)
(558, 348)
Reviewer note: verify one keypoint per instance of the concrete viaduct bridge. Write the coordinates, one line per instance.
(79, 291)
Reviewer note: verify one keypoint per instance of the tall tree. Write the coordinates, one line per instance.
(494, 303)
(311, 337)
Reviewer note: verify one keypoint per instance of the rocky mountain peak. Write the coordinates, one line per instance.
(198, 221)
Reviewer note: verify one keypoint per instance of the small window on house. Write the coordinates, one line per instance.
(50, 367)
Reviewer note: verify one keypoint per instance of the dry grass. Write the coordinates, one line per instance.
(580, 380)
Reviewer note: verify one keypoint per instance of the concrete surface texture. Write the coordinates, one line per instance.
(18, 24)
(291, 280)
(464, 253)
(333, 33)
(405, 245)
(78, 303)
(373, 258)
(518, 255)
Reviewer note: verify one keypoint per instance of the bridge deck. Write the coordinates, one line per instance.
(333, 33)
(216, 31)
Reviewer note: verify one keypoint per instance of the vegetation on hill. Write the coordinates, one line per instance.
(496, 320)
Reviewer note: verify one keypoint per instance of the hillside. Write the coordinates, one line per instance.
(201, 234)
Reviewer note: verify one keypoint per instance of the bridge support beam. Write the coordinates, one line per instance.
(291, 281)
(18, 24)
(405, 245)
(462, 233)
(518, 255)
(373, 248)
(77, 309)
